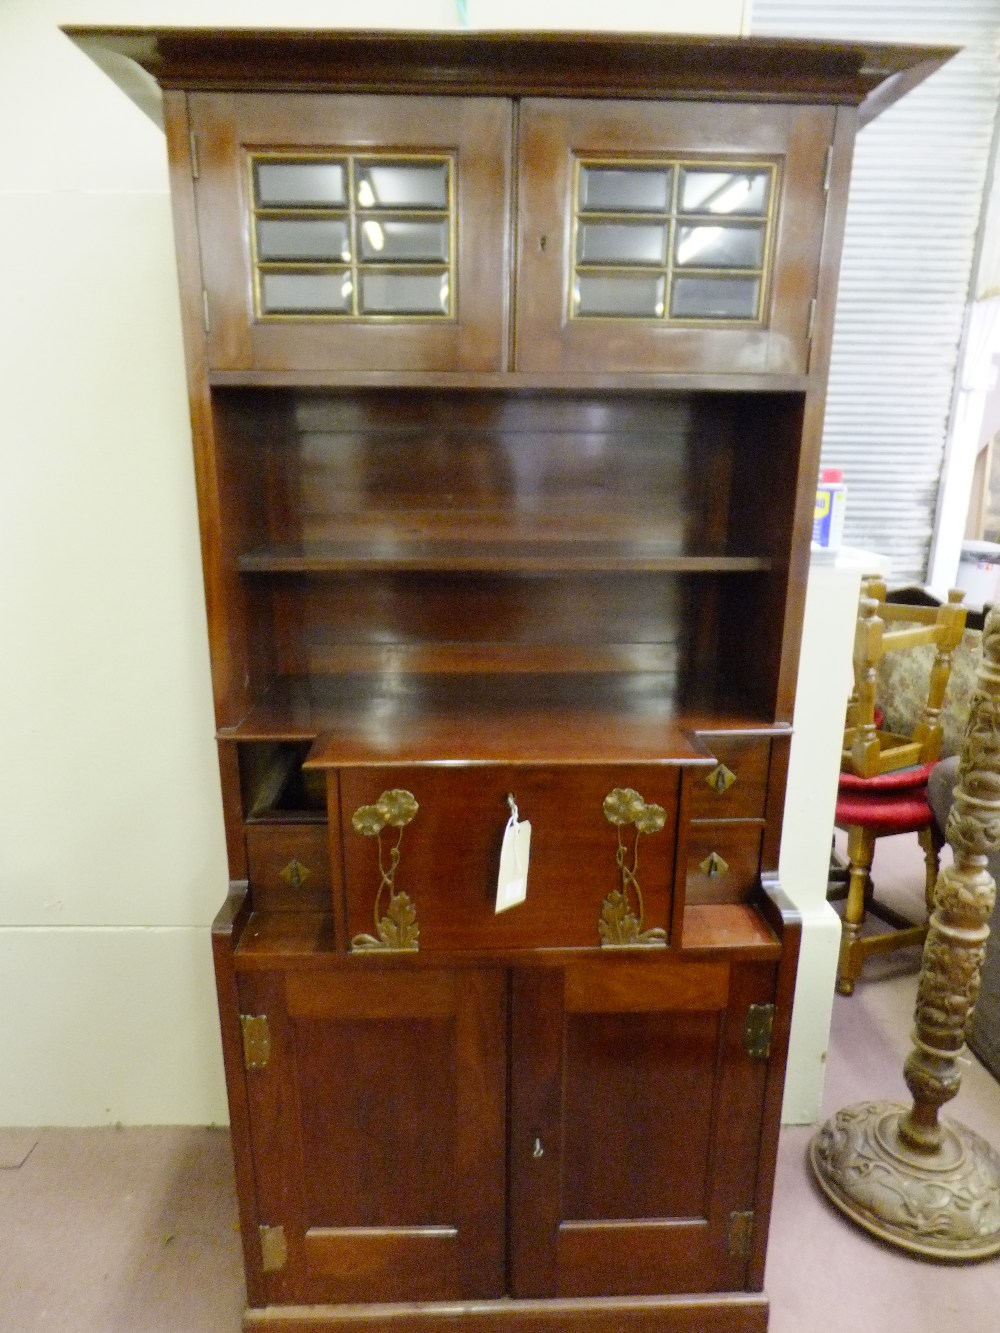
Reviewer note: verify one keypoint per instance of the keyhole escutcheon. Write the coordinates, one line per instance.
(537, 1151)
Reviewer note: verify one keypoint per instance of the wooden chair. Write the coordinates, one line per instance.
(883, 779)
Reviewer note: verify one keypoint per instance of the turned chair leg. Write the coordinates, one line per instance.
(931, 840)
(860, 850)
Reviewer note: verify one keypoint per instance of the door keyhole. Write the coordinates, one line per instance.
(538, 1151)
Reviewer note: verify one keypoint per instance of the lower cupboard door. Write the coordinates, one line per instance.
(378, 1133)
(635, 1126)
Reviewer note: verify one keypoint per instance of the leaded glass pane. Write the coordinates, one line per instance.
(695, 234)
(357, 236)
(300, 184)
(741, 192)
(303, 238)
(621, 243)
(306, 293)
(392, 240)
(401, 185)
(624, 190)
(403, 293)
(621, 295)
(715, 298)
(719, 247)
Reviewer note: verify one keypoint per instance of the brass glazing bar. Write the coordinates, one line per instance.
(671, 217)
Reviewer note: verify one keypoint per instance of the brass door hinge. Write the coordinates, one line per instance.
(739, 1236)
(195, 161)
(274, 1249)
(256, 1040)
(758, 1030)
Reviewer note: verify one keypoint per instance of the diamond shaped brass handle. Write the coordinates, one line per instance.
(714, 866)
(721, 779)
(295, 873)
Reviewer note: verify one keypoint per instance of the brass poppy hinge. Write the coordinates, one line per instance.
(758, 1031)
(398, 929)
(256, 1040)
(273, 1249)
(739, 1236)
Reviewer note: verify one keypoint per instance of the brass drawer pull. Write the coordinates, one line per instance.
(398, 929)
(714, 866)
(619, 926)
(295, 873)
(721, 779)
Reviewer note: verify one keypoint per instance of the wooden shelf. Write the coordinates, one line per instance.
(307, 937)
(493, 555)
(509, 380)
(627, 717)
(726, 927)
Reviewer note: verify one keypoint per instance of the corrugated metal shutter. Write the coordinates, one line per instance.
(916, 198)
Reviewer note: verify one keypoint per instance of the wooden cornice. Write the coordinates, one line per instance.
(585, 64)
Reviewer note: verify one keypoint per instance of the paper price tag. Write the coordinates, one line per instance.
(512, 881)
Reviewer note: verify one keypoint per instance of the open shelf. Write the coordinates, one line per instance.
(403, 555)
(274, 787)
(520, 718)
(445, 534)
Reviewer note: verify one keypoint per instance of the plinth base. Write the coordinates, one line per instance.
(944, 1205)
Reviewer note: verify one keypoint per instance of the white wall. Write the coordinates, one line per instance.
(111, 853)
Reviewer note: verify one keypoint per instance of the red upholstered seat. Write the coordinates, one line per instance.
(901, 779)
(883, 815)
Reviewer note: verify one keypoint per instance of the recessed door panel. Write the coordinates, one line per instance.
(369, 1119)
(635, 1122)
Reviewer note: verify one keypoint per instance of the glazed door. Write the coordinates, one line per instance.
(668, 237)
(353, 233)
(635, 1126)
(378, 1132)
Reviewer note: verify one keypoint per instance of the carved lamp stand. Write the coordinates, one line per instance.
(926, 1185)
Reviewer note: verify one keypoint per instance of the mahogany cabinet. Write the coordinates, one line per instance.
(507, 358)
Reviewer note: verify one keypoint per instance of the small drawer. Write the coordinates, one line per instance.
(449, 855)
(736, 788)
(289, 866)
(723, 861)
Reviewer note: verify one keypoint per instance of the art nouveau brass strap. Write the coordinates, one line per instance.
(398, 929)
(619, 926)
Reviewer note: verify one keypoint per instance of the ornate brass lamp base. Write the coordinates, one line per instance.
(943, 1204)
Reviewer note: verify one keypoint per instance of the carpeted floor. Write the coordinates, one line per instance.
(134, 1230)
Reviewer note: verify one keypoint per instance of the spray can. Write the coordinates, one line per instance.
(828, 516)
